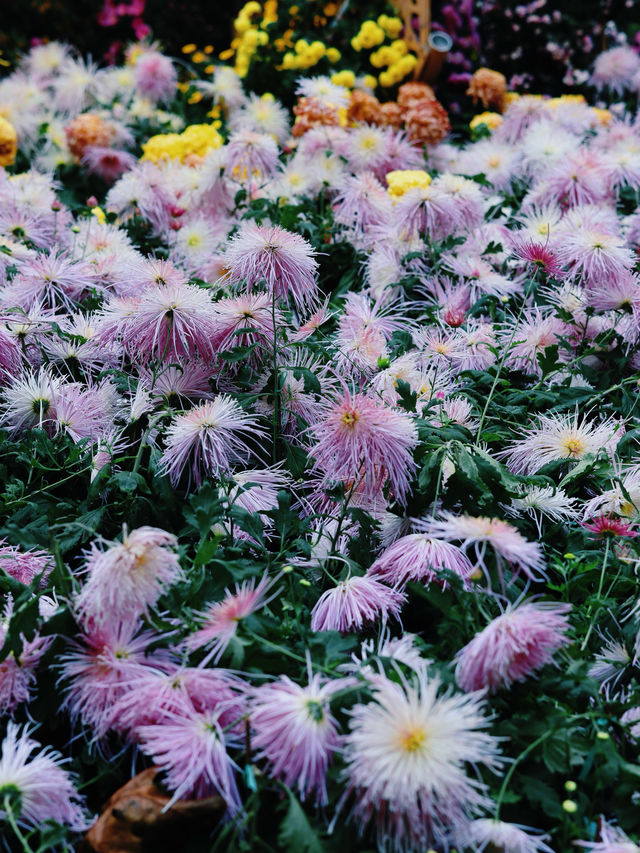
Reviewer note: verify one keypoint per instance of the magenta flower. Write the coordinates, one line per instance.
(514, 646)
(353, 602)
(609, 524)
(539, 256)
(221, 620)
(46, 791)
(419, 557)
(280, 259)
(361, 440)
(127, 579)
(191, 748)
(208, 438)
(295, 732)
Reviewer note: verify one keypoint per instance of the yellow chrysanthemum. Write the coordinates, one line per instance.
(402, 180)
(8, 143)
(491, 120)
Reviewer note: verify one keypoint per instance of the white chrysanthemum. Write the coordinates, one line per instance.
(226, 86)
(407, 756)
(506, 837)
(322, 89)
(561, 437)
(28, 400)
(262, 115)
(543, 145)
(623, 499)
(544, 500)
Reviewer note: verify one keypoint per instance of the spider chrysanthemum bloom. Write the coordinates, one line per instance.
(539, 256)
(208, 438)
(561, 437)
(155, 77)
(612, 840)
(279, 259)
(24, 566)
(616, 69)
(417, 557)
(295, 732)
(406, 762)
(191, 747)
(220, 621)
(594, 255)
(488, 834)
(109, 163)
(513, 646)
(102, 666)
(365, 441)
(129, 577)
(37, 784)
(353, 602)
(507, 542)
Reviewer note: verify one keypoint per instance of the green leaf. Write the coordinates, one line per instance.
(296, 834)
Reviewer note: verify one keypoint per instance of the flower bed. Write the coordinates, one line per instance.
(319, 462)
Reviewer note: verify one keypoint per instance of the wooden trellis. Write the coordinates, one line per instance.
(416, 16)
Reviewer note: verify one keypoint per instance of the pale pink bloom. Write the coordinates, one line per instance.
(182, 380)
(157, 694)
(208, 438)
(354, 602)
(155, 77)
(359, 350)
(29, 401)
(167, 321)
(109, 163)
(220, 620)
(407, 758)
(129, 577)
(595, 255)
(256, 491)
(191, 748)
(246, 320)
(381, 315)
(615, 293)
(102, 666)
(561, 437)
(507, 542)
(361, 440)
(475, 347)
(490, 834)
(46, 791)
(295, 732)
(581, 177)
(84, 412)
(18, 672)
(615, 69)
(361, 202)
(24, 566)
(481, 275)
(10, 357)
(51, 280)
(281, 260)
(612, 840)
(417, 557)
(513, 646)
(251, 156)
(531, 337)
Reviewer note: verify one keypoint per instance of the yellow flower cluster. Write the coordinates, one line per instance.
(307, 54)
(402, 180)
(344, 78)
(394, 57)
(250, 32)
(196, 140)
(491, 120)
(8, 143)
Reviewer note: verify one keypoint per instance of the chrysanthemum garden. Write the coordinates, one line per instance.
(319, 429)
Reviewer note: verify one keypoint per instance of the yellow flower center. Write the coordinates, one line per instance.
(574, 447)
(350, 419)
(413, 739)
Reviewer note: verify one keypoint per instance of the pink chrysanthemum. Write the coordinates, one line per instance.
(18, 672)
(103, 666)
(609, 524)
(280, 259)
(221, 620)
(50, 280)
(595, 255)
(361, 440)
(246, 320)
(539, 256)
(406, 762)
(191, 748)
(251, 156)
(612, 840)
(209, 438)
(514, 646)
(46, 791)
(295, 732)
(157, 694)
(353, 602)
(129, 577)
(24, 566)
(154, 76)
(616, 69)
(417, 557)
(507, 542)
(109, 163)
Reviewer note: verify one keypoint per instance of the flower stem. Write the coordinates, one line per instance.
(11, 820)
(523, 755)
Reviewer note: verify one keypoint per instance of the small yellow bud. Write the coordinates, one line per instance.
(570, 786)
(570, 806)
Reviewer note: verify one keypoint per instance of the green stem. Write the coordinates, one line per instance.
(503, 358)
(598, 594)
(11, 820)
(521, 757)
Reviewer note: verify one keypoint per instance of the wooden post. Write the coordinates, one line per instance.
(416, 12)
